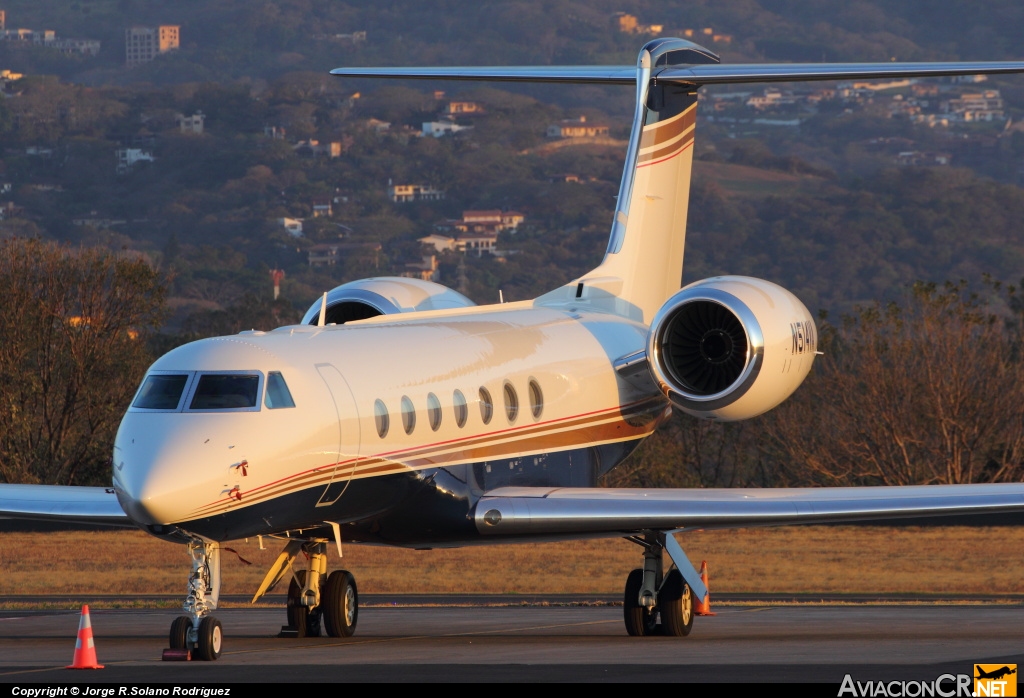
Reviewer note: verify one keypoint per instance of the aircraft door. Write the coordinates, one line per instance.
(348, 441)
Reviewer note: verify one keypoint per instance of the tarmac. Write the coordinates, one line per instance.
(496, 643)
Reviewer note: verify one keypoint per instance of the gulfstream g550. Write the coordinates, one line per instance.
(400, 413)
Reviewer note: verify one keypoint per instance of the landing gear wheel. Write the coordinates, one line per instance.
(211, 638)
(676, 605)
(304, 619)
(640, 621)
(179, 632)
(340, 602)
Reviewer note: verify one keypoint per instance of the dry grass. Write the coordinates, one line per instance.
(811, 559)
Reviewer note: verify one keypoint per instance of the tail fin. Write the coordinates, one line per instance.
(643, 265)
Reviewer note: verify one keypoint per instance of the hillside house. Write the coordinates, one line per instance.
(490, 222)
(404, 193)
(576, 128)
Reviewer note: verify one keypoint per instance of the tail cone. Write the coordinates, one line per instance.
(703, 607)
(85, 648)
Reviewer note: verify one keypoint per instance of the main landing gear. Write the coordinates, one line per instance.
(316, 602)
(651, 595)
(200, 632)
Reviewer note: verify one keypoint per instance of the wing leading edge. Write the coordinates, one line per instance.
(97, 506)
(542, 511)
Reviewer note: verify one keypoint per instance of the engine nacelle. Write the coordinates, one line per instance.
(386, 295)
(731, 347)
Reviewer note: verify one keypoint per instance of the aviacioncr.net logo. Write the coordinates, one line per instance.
(995, 680)
(945, 686)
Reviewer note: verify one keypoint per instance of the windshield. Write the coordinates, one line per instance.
(161, 392)
(225, 392)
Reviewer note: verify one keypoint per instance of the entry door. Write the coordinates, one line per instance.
(347, 450)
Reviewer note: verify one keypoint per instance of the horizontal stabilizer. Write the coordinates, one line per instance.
(516, 511)
(704, 74)
(97, 506)
(792, 72)
(621, 74)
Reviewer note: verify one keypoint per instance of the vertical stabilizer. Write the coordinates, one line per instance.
(644, 262)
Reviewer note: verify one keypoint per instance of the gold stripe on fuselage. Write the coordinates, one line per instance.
(581, 431)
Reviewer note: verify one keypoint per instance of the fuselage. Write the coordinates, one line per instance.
(391, 428)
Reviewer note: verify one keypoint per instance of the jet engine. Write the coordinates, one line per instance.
(731, 347)
(386, 295)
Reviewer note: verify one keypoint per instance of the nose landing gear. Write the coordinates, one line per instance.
(200, 632)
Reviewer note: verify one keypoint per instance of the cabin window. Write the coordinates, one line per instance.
(408, 415)
(161, 392)
(486, 406)
(381, 418)
(461, 408)
(536, 398)
(278, 395)
(433, 412)
(511, 403)
(226, 392)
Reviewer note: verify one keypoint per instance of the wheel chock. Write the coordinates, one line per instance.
(703, 607)
(288, 631)
(176, 655)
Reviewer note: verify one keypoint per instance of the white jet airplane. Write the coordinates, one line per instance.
(400, 413)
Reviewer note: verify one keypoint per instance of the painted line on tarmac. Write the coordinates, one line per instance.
(359, 643)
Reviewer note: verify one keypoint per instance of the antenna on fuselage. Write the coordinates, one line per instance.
(323, 311)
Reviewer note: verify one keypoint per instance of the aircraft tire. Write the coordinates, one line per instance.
(639, 621)
(179, 633)
(211, 639)
(340, 602)
(676, 605)
(305, 620)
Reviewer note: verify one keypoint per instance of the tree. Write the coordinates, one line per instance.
(928, 393)
(74, 325)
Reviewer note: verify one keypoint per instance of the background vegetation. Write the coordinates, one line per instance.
(823, 209)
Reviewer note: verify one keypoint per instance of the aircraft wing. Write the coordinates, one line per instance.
(703, 74)
(97, 506)
(538, 511)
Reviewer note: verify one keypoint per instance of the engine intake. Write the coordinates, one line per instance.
(730, 347)
(366, 298)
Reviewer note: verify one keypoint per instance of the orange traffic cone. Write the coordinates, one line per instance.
(85, 648)
(703, 607)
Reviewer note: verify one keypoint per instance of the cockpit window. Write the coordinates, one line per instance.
(161, 392)
(278, 395)
(225, 392)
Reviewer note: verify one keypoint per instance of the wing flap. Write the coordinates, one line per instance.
(96, 506)
(539, 511)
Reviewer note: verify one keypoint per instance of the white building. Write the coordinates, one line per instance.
(441, 128)
(127, 158)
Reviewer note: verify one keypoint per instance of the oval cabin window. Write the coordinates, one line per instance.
(461, 408)
(486, 406)
(511, 403)
(433, 412)
(381, 418)
(536, 399)
(408, 415)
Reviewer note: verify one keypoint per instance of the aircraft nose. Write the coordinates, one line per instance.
(144, 492)
(154, 471)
